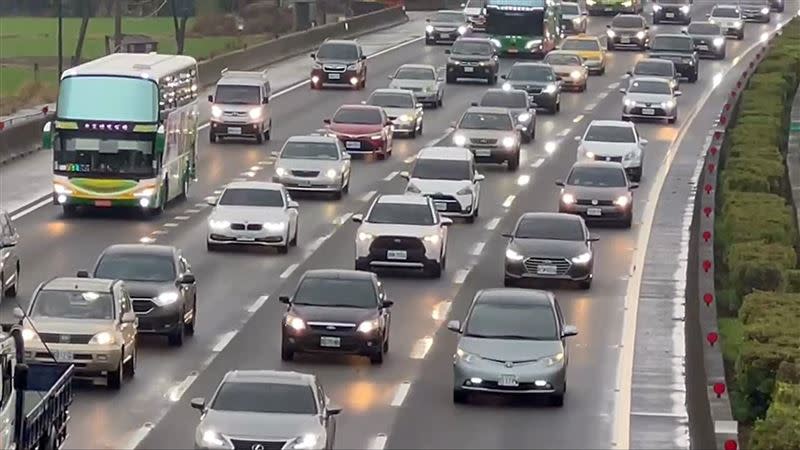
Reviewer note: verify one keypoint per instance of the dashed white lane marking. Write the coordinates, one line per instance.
(316, 243)
(577, 119)
(249, 174)
(223, 341)
(264, 163)
(288, 272)
(32, 208)
(255, 168)
(564, 132)
(478, 248)
(368, 196)
(342, 219)
(159, 232)
(191, 211)
(602, 95)
(258, 304)
(460, 276)
(203, 205)
(590, 106)
(523, 180)
(238, 179)
(147, 240)
(410, 159)
(421, 347)
(441, 310)
(613, 85)
(551, 147)
(182, 217)
(137, 436)
(401, 393)
(217, 191)
(390, 176)
(175, 393)
(378, 442)
(171, 225)
(509, 201)
(537, 163)
(493, 224)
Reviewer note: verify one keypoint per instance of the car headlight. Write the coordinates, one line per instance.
(507, 86)
(669, 104)
(567, 198)
(611, 33)
(627, 4)
(216, 111)
(622, 201)
(719, 41)
(429, 28)
(738, 24)
(685, 9)
(218, 224)
(280, 171)
(552, 360)
(460, 140)
(102, 338)
(591, 2)
(466, 356)
(512, 255)
(368, 326)
(331, 173)
(305, 442)
(583, 258)
(496, 43)
(405, 118)
(376, 137)
(413, 189)
(524, 117)
(166, 298)
(274, 226)
(213, 439)
(631, 155)
(462, 29)
(765, 10)
(575, 74)
(576, 20)
(508, 142)
(550, 88)
(255, 113)
(295, 322)
(28, 334)
(432, 239)
(640, 35)
(656, 7)
(465, 191)
(628, 102)
(351, 67)
(365, 236)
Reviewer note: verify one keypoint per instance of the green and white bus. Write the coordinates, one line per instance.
(125, 132)
(524, 27)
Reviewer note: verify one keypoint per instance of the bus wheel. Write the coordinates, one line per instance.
(162, 201)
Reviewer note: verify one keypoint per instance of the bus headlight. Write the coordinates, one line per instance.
(255, 113)
(216, 111)
(61, 189)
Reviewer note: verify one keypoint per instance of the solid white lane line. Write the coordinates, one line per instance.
(493, 224)
(258, 304)
(191, 211)
(32, 208)
(509, 201)
(421, 347)
(401, 393)
(288, 272)
(342, 219)
(368, 196)
(577, 119)
(478, 248)
(590, 106)
(410, 159)
(390, 176)
(171, 225)
(223, 341)
(441, 310)
(181, 217)
(378, 442)
(316, 243)
(523, 180)
(602, 95)
(563, 132)
(537, 163)
(175, 393)
(613, 85)
(460, 276)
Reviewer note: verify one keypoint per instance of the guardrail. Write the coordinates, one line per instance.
(22, 138)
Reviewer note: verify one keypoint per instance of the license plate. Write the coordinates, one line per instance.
(304, 183)
(670, 15)
(334, 76)
(234, 130)
(702, 47)
(103, 203)
(330, 342)
(648, 111)
(513, 50)
(445, 35)
(484, 152)
(594, 212)
(397, 254)
(440, 206)
(62, 356)
(246, 239)
(508, 381)
(546, 270)
(352, 145)
(608, 8)
(469, 69)
(625, 40)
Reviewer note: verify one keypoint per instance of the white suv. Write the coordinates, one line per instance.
(402, 232)
(448, 176)
(613, 140)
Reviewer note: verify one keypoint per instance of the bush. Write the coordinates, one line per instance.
(791, 279)
(752, 216)
(744, 181)
(754, 135)
(766, 152)
(770, 81)
(758, 266)
(780, 429)
(765, 102)
(754, 175)
(731, 337)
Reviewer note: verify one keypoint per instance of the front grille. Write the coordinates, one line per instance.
(595, 202)
(142, 305)
(331, 327)
(248, 227)
(57, 338)
(469, 63)
(532, 265)
(334, 68)
(306, 173)
(533, 90)
(414, 248)
(657, 110)
(522, 387)
(450, 203)
(608, 158)
(243, 444)
(234, 114)
(489, 142)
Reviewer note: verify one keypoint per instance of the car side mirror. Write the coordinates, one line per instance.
(187, 278)
(678, 93)
(313, 55)
(293, 204)
(11, 242)
(212, 201)
(265, 100)
(198, 403)
(608, 26)
(708, 14)
(559, 183)
(333, 410)
(19, 314)
(534, 105)
(326, 121)
(559, 78)
(454, 325)
(129, 317)
(643, 141)
(428, 19)
(507, 235)
(569, 330)
(347, 156)
(520, 127)
(357, 218)
(440, 78)
(390, 77)
(387, 123)
(647, 27)
(363, 57)
(479, 177)
(211, 98)
(633, 186)
(275, 154)
(629, 73)
(447, 52)
(578, 138)
(387, 304)
(446, 221)
(474, 104)
(623, 91)
(82, 274)
(504, 77)
(592, 239)
(405, 174)
(284, 299)
(452, 124)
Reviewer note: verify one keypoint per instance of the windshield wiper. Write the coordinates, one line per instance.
(518, 337)
(329, 305)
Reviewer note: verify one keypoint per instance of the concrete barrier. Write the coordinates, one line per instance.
(19, 139)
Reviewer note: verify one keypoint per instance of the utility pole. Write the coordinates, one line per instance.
(60, 39)
(117, 25)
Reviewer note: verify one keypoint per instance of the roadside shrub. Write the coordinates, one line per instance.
(754, 135)
(792, 279)
(770, 81)
(744, 181)
(759, 266)
(755, 216)
(745, 150)
(765, 103)
(780, 429)
(784, 64)
(731, 337)
(754, 175)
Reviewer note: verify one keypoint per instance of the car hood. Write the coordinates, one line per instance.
(609, 148)
(249, 214)
(333, 314)
(725, 20)
(485, 134)
(596, 193)
(567, 70)
(228, 107)
(510, 350)
(355, 129)
(588, 54)
(344, 62)
(705, 36)
(670, 53)
(445, 26)
(548, 248)
(387, 229)
(647, 98)
(397, 112)
(71, 326)
(148, 289)
(308, 164)
(261, 425)
(460, 57)
(621, 30)
(570, 16)
(447, 187)
(523, 84)
(410, 84)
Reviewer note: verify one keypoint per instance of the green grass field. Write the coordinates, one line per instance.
(11, 78)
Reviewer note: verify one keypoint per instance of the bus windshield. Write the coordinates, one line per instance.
(119, 99)
(119, 154)
(516, 23)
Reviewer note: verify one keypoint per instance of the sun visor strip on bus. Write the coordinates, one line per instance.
(516, 4)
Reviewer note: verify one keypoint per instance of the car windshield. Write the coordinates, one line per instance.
(441, 169)
(570, 8)
(655, 68)
(673, 43)
(251, 197)
(512, 321)
(583, 45)
(336, 292)
(627, 22)
(563, 60)
(725, 12)
(387, 100)
(485, 121)
(704, 28)
(450, 17)
(532, 73)
(672, 2)
(650, 87)
(136, 267)
(345, 52)
(87, 305)
(310, 150)
(609, 133)
(358, 116)
(401, 214)
(549, 228)
(472, 48)
(597, 177)
(238, 95)
(505, 99)
(268, 398)
(415, 73)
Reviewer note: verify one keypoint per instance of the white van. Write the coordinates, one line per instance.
(240, 106)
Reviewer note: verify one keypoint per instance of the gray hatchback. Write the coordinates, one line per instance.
(598, 191)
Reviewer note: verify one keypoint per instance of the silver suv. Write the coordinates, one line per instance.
(9, 259)
(240, 107)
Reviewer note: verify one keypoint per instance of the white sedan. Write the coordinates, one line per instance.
(253, 213)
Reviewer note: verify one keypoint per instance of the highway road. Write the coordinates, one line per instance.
(406, 402)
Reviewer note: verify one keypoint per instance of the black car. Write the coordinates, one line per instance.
(445, 26)
(337, 311)
(520, 105)
(756, 10)
(709, 39)
(161, 285)
(626, 30)
(472, 58)
(539, 80)
(549, 246)
(339, 63)
(672, 11)
(678, 48)
(777, 5)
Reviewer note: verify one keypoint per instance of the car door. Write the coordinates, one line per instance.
(188, 290)
(292, 212)
(385, 313)
(127, 329)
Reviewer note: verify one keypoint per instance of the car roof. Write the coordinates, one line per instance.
(449, 153)
(365, 107)
(392, 91)
(416, 66)
(338, 274)
(403, 199)
(486, 110)
(582, 37)
(514, 296)
(270, 376)
(140, 249)
(649, 78)
(340, 41)
(473, 39)
(611, 123)
(313, 138)
(550, 215)
(254, 185)
(79, 284)
(603, 164)
(680, 35)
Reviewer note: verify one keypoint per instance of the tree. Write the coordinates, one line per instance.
(179, 8)
(87, 10)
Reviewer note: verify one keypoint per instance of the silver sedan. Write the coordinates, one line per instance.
(402, 108)
(650, 98)
(423, 80)
(313, 164)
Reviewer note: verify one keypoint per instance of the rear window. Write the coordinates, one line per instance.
(550, 228)
(415, 73)
(654, 68)
(359, 116)
(563, 60)
(724, 12)
(585, 45)
(627, 22)
(532, 73)
(441, 169)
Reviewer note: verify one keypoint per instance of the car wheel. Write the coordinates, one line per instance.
(377, 357)
(628, 221)
(513, 163)
(509, 282)
(609, 46)
(259, 137)
(130, 367)
(435, 270)
(386, 344)
(428, 42)
(381, 156)
(360, 267)
(268, 133)
(190, 326)
(413, 133)
(656, 21)
(440, 102)
(459, 396)
(114, 377)
(212, 138)
(283, 249)
(211, 247)
(175, 338)
(449, 79)
(637, 174)
(526, 137)
(470, 218)
(293, 242)
(419, 132)
(558, 105)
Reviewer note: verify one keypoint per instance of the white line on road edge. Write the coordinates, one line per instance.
(441, 310)
(138, 436)
(175, 393)
(224, 340)
(537, 163)
(378, 442)
(258, 304)
(523, 180)
(410, 159)
(32, 208)
(590, 106)
(478, 248)
(577, 119)
(613, 85)
(461, 275)
(509, 201)
(368, 196)
(181, 217)
(342, 219)
(288, 272)
(171, 225)
(390, 176)
(316, 244)
(493, 224)
(400, 395)
(564, 132)
(421, 348)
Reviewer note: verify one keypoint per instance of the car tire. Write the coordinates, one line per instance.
(381, 156)
(211, 247)
(283, 249)
(114, 377)
(435, 270)
(175, 339)
(470, 218)
(386, 344)
(656, 21)
(130, 367)
(739, 37)
(376, 358)
(628, 220)
(672, 120)
(557, 400)
(287, 354)
(268, 132)
(413, 133)
(337, 195)
(509, 282)
(190, 327)
(293, 242)
(558, 105)
(428, 41)
(361, 267)
(449, 79)
(513, 163)
(526, 137)
(460, 397)
(440, 102)
(693, 77)
(421, 124)
(259, 137)
(637, 174)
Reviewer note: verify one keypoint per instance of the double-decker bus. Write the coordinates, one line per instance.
(125, 132)
(523, 27)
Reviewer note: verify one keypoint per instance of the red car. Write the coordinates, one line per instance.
(362, 129)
